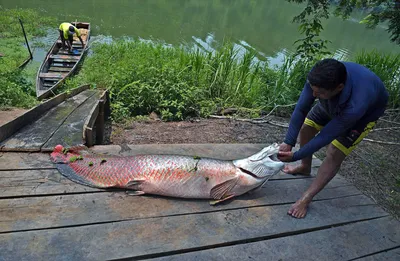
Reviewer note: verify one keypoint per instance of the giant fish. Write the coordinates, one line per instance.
(170, 175)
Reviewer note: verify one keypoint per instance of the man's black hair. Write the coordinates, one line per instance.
(327, 74)
(71, 28)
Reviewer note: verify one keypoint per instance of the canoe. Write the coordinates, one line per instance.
(59, 64)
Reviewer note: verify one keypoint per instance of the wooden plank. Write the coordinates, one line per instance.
(143, 237)
(393, 254)
(72, 61)
(65, 52)
(37, 182)
(59, 69)
(65, 57)
(55, 80)
(340, 243)
(33, 114)
(73, 44)
(55, 211)
(69, 65)
(48, 84)
(53, 75)
(87, 131)
(36, 134)
(69, 134)
(25, 161)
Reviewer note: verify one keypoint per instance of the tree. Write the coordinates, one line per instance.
(378, 11)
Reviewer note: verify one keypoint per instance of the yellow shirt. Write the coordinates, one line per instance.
(65, 28)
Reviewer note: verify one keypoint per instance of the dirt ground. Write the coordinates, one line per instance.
(8, 114)
(372, 167)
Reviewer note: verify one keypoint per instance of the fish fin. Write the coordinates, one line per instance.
(220, 190)
(135, 192)
(134, 184)
(214, 202)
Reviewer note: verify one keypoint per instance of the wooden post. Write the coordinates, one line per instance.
(100, 123)
(27, 44)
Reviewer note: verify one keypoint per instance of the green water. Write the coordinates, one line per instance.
(264, 25)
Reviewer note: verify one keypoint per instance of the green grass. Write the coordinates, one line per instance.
(182, 82)
(387, 67)
(15, 90)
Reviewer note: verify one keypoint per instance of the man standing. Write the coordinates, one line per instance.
(351, 98)
(67, 31)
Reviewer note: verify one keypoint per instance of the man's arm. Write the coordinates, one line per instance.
(80, 38)
(303, 106)
(331, 131)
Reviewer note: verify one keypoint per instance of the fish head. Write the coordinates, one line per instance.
(257, 169)
(62, 154)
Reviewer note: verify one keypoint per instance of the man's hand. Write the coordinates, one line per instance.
(285, 147)
(285, 156)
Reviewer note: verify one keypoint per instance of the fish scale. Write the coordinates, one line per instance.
(170, 175)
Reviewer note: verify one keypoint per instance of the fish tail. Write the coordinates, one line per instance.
(69, 173)
(61, 156)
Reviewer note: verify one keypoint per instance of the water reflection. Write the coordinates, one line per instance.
(257, 24)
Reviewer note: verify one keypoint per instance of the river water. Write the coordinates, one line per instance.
(264, 25)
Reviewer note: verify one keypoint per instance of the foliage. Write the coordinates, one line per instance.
(309, 19)
(178, 82)
(387, 67)
(379, 11)
(14, 89)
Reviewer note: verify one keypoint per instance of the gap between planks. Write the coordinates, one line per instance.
(376, 253)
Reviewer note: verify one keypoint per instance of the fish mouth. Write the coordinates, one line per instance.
(274, 157)
(251, 174)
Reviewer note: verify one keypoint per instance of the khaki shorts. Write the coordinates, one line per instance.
(318, 118)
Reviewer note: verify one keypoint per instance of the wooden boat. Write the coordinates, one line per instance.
(60, 64)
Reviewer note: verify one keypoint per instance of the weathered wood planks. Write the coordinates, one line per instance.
(69, 210)
(152, 236)
(23, 183)
(69, 133)
(35, 113)
(33, 136)
(25, 161)
(339, 243)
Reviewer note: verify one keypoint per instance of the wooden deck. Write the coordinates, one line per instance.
(67, 119)
(44, 216)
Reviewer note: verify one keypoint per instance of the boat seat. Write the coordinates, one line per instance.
(64, 57)
(52, 75)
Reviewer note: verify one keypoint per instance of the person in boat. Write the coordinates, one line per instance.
(351, 98)
(67, 31)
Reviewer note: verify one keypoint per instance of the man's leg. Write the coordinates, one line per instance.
(328, 169)
(71, 40)
(336, 153)
(62, 39)
(307, 132)
(316, 119)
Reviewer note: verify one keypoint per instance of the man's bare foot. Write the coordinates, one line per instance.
(298, 209)
(300, 170)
